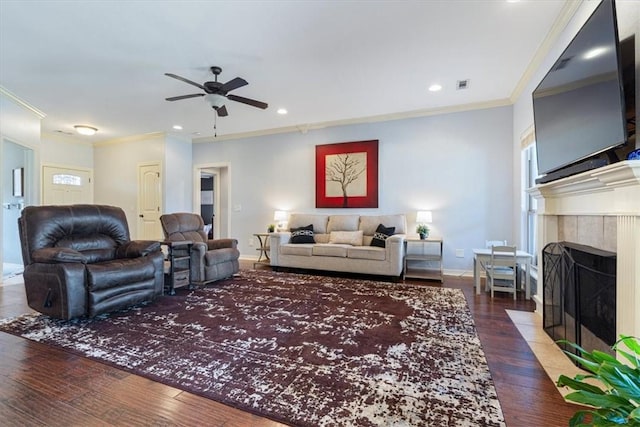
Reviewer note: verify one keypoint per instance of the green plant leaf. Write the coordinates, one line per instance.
(563, 380)
(598, 400)
(633, 359)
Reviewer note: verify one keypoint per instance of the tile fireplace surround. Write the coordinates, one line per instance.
(599, 208)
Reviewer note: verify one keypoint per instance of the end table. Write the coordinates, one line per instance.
(418, 264)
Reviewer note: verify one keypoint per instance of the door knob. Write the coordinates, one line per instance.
(141, 216)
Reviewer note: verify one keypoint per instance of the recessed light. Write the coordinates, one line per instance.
(282, 111)
(177, 127)
(85, 130)
(435, 88)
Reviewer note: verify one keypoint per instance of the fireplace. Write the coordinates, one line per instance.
(602, 209)
(579, 295)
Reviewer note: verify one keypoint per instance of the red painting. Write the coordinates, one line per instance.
(347, 175)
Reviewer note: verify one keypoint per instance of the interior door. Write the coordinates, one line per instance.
(66, 186)
(149, 201)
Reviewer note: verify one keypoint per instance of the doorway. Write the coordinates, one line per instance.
(212, 197)
(16, 192)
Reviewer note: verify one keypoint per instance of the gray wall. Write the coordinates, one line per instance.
(458, 165)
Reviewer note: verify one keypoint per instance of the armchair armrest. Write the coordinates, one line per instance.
(137, 248)
(57, 255)
(222, 244)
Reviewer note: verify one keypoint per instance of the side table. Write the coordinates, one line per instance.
(418, 262)
(263, 248)
(178, 273)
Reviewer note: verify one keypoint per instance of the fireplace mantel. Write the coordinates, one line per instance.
(610, 191)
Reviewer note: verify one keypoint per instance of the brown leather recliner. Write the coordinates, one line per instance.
(80, 261)
(210, 259)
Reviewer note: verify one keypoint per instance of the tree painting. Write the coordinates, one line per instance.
(345, 176)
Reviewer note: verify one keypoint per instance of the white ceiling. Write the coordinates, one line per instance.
(102, 63)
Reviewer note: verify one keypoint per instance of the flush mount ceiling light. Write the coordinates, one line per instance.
(282, 111)
(177, 127)
(85, 130)
(435, 88)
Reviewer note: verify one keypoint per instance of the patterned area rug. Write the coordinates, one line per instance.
(300, 349)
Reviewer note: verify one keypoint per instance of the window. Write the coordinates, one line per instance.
(64, 179)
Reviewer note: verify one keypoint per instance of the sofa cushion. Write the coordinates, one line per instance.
(319, 222)
(346, 237)
(302, 234)
(299, 249)
(331, 249)
(366, 252)
(381, 235)
(343, 223)
(369, 223)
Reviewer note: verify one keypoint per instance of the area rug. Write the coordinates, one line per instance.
(300, 349)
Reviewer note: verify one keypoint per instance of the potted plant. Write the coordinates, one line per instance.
(271, 228)
(618, 402)
(423, 231)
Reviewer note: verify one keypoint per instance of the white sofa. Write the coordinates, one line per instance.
(353, 258)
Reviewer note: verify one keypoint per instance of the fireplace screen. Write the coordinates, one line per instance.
(579, 294)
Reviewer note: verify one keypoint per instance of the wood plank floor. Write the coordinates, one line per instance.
(42, 386)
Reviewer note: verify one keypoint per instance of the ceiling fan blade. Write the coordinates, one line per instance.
(222, 111)
(248, 101)
(177, 98)
(233, 84)
(182, 79)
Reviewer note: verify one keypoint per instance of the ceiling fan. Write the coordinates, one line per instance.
(216, 92)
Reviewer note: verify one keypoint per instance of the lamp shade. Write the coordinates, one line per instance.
(424, 217)
(280, 216)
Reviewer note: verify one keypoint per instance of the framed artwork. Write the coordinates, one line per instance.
(347, 175)
(18, 182)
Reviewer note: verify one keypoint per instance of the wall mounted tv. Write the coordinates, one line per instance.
(579, 106)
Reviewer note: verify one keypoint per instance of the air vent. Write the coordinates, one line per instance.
(462, 84)
(63, 132)
(562, 64)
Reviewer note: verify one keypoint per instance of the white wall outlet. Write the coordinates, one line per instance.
(252, 242)
(459, 253)
(237, 207)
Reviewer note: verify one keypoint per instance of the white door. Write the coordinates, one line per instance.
(149, 201)
(66, 186)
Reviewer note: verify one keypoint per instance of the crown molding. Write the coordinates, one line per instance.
(132, 138)
(566, 14)
(23, 104)
(304, 128)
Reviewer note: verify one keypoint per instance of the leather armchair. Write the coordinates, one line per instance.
(211, 260)
(79, 261)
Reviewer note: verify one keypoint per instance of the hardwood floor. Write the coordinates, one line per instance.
(40, 385)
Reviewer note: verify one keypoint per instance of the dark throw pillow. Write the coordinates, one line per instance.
(381, 235)
(302, 234)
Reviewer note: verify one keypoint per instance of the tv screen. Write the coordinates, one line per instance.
(579, 105)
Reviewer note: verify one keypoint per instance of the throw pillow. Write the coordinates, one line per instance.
(302, 234)
(353, 238)
(381, 235)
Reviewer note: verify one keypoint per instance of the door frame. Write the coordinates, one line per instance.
(197, 170)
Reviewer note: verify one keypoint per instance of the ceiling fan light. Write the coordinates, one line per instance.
(85, 130)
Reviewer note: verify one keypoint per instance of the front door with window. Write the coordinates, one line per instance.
(66, 186)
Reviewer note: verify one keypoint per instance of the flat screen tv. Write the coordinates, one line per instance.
(579, 106)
